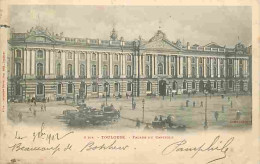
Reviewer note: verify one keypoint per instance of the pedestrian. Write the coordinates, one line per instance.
(147, 127)
(216, 115)
(44, 107)
(228, 98)
(34, 113)
(223, 109)
(48, 99)
(201, 104)
(65, 101)
(34, 102)
(41, 108)
(30, 108)
(194, 103)
(138, 123)
(187, 103)
(20, 116)
(134, 105)
(231, 104)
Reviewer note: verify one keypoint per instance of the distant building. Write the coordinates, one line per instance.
(43, 64)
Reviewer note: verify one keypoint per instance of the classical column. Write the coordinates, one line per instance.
(99, 65)
(204, 67)
(169, 65)
(166, 64)
(197, 67)
(246, 61)
(156, 70)
(181, 66)
(136, 65)
(211, 65)
(28, 67)
(152, 65)
(144, 58)
(88, 64)
(111, 65)
(76, 64)
(47, 63)
(33, 63)
(189, 66)
(52, 62)
(24, 61)
(238, 65)
(218, 66)
(63, 64)
(225, 67)
(123, 65)
(178, 66)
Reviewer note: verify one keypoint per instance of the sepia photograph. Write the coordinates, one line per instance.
(151, 68)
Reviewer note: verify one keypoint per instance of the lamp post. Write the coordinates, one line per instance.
(206, 121)
(143, 109)
(106, 84)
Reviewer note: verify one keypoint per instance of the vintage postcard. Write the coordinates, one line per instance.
(123, 82)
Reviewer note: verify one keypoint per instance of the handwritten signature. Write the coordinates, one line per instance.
(216, 145)
(92, 146)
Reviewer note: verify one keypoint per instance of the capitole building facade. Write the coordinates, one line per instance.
(43, 64)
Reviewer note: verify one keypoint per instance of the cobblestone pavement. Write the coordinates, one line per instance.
(192, 117)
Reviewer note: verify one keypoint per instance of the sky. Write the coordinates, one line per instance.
(195, 24)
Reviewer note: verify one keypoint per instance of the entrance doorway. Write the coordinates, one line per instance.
(162, 88)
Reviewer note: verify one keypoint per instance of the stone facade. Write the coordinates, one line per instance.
(42, 64)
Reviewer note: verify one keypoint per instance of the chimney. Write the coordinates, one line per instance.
(188, 45)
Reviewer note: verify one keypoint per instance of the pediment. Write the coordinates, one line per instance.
(161, 44)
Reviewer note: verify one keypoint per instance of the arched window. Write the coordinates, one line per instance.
(129, 71)
(230, 71)
(82, 70)
(40, 89)
(184, 85)
(193, 85)
(193, 72)
(215, 71)
(172, 70)
(200, 71)
(105, 70)
(221, 72)
(18, 69)
(160, 69)
(70, 70)
(94, 70)
(147, 70)
(149, 86)
(39, 54)
(58, 69)
(208, 72)
(184, 72)
(39, 69)
(116, 71)
(70, 55)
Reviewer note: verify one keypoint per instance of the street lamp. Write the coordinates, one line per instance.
(106, 84)
(206, 121)
(143, 109)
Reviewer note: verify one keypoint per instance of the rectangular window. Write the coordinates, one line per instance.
(94, 87)
(172, 58)
(129, 86)
(193, 85)
(147, 58)
(221, 61)
(184, 59)
(59, 88)
(116, 87)
(69, 88)
(18, 54)
(82, 56)
(40, 89)
(230, 61)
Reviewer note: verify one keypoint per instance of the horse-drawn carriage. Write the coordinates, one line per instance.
(169, 123)
(91, 116)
